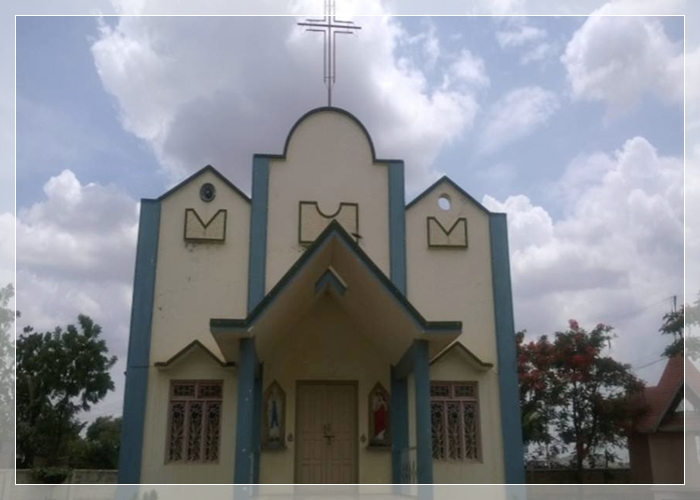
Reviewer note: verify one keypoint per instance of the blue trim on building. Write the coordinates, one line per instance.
(505, 343)
(137, 363)
(399, 426)
(257, 424)
(245, 413)
(424, 441)
(397, 225)
(257, 254)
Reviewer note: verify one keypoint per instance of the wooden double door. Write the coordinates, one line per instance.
(326, 433)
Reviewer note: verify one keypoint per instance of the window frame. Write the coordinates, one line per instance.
(453, 398)
(173, 398)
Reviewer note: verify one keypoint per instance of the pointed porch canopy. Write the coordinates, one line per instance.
(336, 264)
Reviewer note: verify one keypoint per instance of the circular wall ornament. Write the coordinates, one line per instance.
(207, 192)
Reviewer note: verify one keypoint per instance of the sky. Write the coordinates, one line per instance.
(573, 126)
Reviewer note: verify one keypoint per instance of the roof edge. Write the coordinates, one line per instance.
(207, 168)
(322, 109)
(473, 358)
(446, 179)
(195, 344)
(334, 227)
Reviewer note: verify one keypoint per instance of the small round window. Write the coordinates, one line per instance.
(207, 192)
(444, 202)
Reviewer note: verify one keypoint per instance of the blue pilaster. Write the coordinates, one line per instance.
(511, 425)
(245, 413)
(399, 425)
(258, 231)
(424, 442)
(134, 411)
(397, 225)
(257, 419)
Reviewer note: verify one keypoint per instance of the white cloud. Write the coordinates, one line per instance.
(78, 232)
(533, 42)
(198, 99)
(428, 42)
(641, 7)
(617, 249)
(692, 94)
(7, 249)
(692, 224)
(467, 69)
(497, 7)
(520, 35)
(618, 60)
(516, 115)
(539, 52)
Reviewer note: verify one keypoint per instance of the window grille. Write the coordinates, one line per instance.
(194, 425)
(454, 412)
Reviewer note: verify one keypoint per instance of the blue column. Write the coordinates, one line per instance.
(397, 226)
(257, 253)
(245, 412)
(137, 361)
(424, 440)
(257, 394)
(399, 426)
(511, 425)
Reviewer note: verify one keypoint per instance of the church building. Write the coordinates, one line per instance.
(321, 330)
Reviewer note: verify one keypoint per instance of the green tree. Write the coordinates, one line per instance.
(573, 396)
(540, 394)
(674, 323)
(101, 444)
(595, 415)
(7, 368)
(59, 374)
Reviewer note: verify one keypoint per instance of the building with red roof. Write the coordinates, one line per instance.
(657, 442)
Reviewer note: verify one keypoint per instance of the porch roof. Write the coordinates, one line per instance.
(335, 265)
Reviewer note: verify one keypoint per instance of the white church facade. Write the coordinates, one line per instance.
(321, 330)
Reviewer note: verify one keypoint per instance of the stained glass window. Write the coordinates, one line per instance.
(194, 421)
(455, 421)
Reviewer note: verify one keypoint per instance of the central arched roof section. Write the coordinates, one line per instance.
(389, 225)
(340, 111)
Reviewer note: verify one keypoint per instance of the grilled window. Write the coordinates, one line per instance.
(454, 411)
(194, 426)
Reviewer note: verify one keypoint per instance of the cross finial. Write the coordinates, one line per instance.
(329, 26)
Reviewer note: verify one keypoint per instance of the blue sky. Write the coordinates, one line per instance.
(571, 125)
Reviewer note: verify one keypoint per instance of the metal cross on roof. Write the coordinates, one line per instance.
(329, 26)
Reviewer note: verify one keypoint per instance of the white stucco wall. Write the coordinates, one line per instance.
(198, 281)
(451, 283)
(154, 469)
(328, 161)
(194, 283)
(456, 284)
(326, 346)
